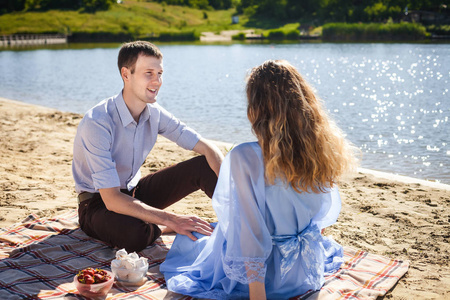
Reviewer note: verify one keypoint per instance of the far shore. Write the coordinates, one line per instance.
(206, 37)
(391, 215)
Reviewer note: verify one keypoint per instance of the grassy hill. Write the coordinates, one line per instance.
(132, 17)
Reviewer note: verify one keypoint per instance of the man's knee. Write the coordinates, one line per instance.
(202, 166)
(133, 245)
(200, 161)
(207, 179)
(137, 240)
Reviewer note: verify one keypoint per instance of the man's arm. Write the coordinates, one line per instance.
(212, 153)
(123, 204)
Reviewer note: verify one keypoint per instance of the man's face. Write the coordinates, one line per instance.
(146, 80)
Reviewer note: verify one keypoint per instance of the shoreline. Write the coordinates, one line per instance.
(378, 173)
(405, 179)
(36, 39)
(397, 219)
(212, 39)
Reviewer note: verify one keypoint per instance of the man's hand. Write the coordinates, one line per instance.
(187, 224)
(212, 153)
(127, 205)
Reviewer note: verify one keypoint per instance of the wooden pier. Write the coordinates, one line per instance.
(32, 39)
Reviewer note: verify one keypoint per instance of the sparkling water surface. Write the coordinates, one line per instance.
(392, 100)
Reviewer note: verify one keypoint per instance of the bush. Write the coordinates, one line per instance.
(280, 34)
(439, 29)
(240, 36)
(276, 34)
(293, 34)
(373, 31)
(179, 36)
(97, 37)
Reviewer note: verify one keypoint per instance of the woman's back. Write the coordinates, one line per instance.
(272, 199)
(268, 233)
(292, 221)
(286, 211)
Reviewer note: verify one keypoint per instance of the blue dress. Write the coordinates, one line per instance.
(266, 233)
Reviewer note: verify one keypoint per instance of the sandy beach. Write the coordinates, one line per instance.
(396, 217)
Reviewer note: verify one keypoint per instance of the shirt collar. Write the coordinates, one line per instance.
(145, 114)
(124, 113)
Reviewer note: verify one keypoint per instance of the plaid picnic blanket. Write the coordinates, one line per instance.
(40, 257)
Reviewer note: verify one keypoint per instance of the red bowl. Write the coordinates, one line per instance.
(95, 289)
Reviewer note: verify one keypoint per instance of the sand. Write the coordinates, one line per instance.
(226, 35)
(393, 216)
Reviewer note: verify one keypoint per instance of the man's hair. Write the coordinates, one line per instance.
(129, 53)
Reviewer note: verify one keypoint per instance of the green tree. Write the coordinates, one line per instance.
(243, 4)
(302, 9)
(220, 4)
(58, 4)
(376, 12)
(273, 8)
(339, 10)
(199, 4)
(11, 5)
(94, 5)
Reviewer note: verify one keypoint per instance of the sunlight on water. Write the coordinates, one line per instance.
(392, 100)
(399, 106)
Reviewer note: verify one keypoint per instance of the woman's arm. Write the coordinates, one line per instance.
(257, 290)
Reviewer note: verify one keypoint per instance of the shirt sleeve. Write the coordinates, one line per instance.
(96, 139)
(176, 131)
(239, 203)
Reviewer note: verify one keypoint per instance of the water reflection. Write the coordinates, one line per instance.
(399, 106)
(391, 99)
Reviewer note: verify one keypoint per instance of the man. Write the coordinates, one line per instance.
(113, 140)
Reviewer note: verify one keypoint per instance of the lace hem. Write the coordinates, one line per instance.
(244, 270)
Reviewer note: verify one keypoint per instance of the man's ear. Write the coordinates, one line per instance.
(125, 73)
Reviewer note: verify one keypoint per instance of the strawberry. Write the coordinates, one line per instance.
(100, 271)
(88, 279)
(80, 278)
(99, 278)
(89, 271)
(91, 276)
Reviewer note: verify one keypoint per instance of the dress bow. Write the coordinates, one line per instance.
(307, 244)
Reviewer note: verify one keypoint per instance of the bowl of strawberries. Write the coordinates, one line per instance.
(93, 282)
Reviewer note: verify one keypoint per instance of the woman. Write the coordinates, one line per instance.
(272, 199)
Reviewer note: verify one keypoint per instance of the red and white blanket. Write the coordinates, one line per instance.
(40, 257)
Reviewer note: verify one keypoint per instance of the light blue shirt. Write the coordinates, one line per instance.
(110, 147)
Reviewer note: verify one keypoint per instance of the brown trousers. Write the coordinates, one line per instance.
(160, 190)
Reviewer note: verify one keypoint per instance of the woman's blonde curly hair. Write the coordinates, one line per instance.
(300, 143)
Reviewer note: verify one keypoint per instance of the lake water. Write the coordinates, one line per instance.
(392, 100)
